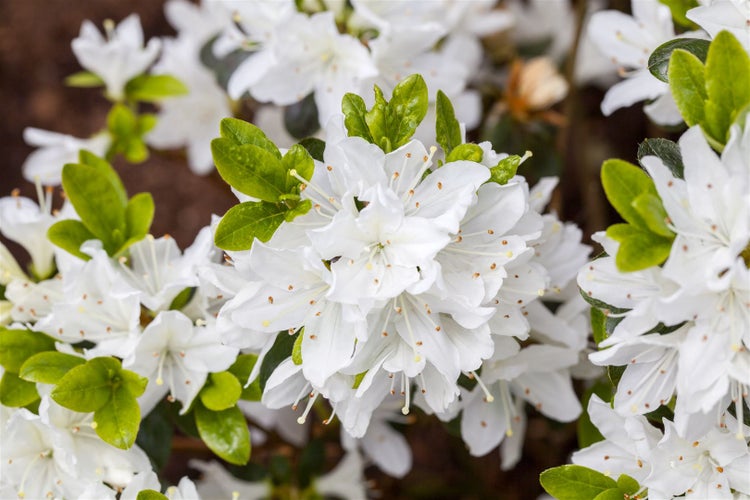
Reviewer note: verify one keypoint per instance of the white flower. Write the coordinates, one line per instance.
(26, 223)
(117, 58)
(55, 150)
(177, 357)
(730, 15)
(217, 483)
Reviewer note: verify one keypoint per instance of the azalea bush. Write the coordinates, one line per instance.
(390, 253)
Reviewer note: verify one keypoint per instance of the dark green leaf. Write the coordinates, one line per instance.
(311, 462)
(354, 109)
(241, 369)
(447, 128)
(222, 390)
(250, 169)
(118, 420)
(48, 367)
(225, 433)
(70, 234)
(314, 146)
(15, 392)
(241, 132)
(155, 437)
(247, 221)
(154, 88)
(281, 350)
(598, 325)
(658, 62)
(84, 79)
(667, 151)
(468, 152)
(139, 213)
(575, 482)
(587, 433)
(16, 346)
(87, 387)
(301, 118)
(687, 80)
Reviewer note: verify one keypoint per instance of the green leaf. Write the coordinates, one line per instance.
(301, 118)
(468, 152)
(250, 169)
(505, 169)
(222, 390)
(300, 208)
(377, 122)
(84, 79)
(241, 369)
(574, 482)
(627, 484)
(88, 158)
(155, 436)
(667, 151)
(355, 111)
(447, 128)
(297, 351)
(358, 378)
(241, 132)
(15, 392)
(651, 210)
(623, 182)
(48, 367)
(587, 432)
(150, 495)
(127, 130)
(611, 494)
(183, 298)
(687, 80)
(139, 213)
(658, 62)
(225, 433)
(98, 203)
(679, 8)
(314, 146)
(598, 325)
(299, 160)
(406, 109)
(639, 249)
(154, 88)
(311, 462)
(16, 346)
(727, 84)
(131, 381)
(280, 350)
(118, 420)
(88, 387)
(247, 221)
(70, 234)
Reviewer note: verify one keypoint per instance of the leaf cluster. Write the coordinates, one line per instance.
(575, 482)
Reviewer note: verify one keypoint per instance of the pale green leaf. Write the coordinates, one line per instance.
(687, 81)
(154, 88)
(139, 213)
(354, 109)
(247, 221)
(575, 482)
(222, 390)
(118, 420)
(623, 182)
(447, 128)
(48, 367)
(406, 109)
(15, 392)
(84, 79)
(652, 212)
(639, 249)
(241, 132)
(250, 169)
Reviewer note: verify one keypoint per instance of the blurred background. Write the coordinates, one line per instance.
(35, 57)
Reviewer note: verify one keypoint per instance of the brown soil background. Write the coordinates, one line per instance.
(35, 57)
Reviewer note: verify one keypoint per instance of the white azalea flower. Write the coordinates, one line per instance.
(117, 58)
(55, 150)
(730, 15)
(216, 482)
(26, 223)
(177, 357)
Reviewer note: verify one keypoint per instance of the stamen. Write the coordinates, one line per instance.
(488, 397)
(406, 389)
(313, 396)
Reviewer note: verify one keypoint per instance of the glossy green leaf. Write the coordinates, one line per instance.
(314, 146)
(155, 436)
(131, 382)
(300, 208)
(48, 367)
(652, 212)
(406, 109)
(297, 159)
(354, 109)
(639, 249)
(575, 482)
(84, 79)
(687, 80)
(587, 432)
(16, 346)
(658, 62)
(447, 128)
(667, 151)
(250, 169)
(154, 88)
(241, 132)
(727, 84)
(598, 325)
(150, 495)
(297, 351)
(627, 484)
(679, 9)
(225, 433)
(623, 182)
(70, 234)
(301, 118)
(87, 387)
(611, 494)
(98, 202)
(505, 169)
(281, 350)
(15, 392)
(139, 213)
(222, 390)
(468, 152)
(118, 420)
(241, 369)
(247, 221)
(377, 122)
